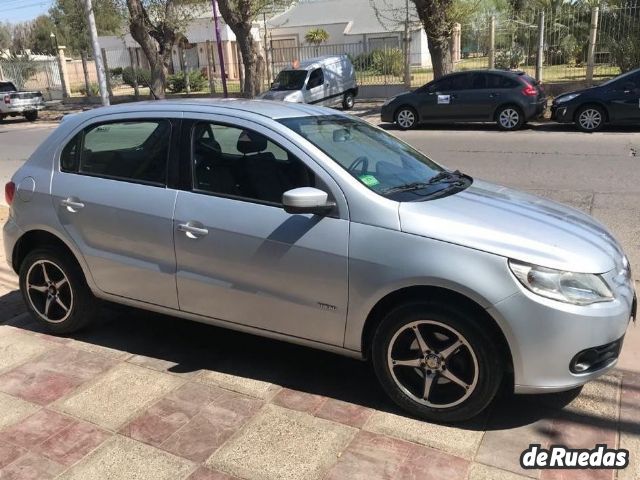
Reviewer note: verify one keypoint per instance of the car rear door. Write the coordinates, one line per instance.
(110, 193)
(240, 256)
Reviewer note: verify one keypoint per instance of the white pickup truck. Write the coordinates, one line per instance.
(14, 103)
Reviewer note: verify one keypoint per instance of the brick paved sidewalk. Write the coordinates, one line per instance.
(144, 396)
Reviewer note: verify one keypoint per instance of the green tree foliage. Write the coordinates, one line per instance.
(71, 23)
(5, 36)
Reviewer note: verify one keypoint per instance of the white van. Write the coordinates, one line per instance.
(328, 80)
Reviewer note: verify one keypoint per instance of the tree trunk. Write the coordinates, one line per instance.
(239, 16)
(434, 16)
(85, 70)
(140, 27)
(440, 52)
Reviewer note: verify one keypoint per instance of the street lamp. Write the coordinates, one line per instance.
(54, 43)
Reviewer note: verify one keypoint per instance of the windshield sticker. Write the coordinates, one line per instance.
(369, 180)
(444, 99)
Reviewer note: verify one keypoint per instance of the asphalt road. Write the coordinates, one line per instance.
(598, 173)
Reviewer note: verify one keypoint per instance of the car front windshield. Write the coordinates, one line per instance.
(290, 80)
(377, 159)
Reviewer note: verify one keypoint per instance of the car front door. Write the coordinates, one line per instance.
(240, 256)
(624, 100)
(316, 88)
(110, 193)
(445, 99)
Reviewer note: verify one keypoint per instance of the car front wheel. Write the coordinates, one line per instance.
(509, 117)
(435, 362)
(590, 118)
(55, 291)
(406, 118)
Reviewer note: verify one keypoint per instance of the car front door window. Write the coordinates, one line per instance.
(242, 163)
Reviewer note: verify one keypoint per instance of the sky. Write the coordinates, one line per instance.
(20, 10)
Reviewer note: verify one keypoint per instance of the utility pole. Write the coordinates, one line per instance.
(97, 54)
(406, 47)
(223, 74)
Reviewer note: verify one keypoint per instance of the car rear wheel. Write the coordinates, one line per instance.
(406, 118)
(55, 291)
(590, 118)
(509, 117)
(31, 116)
(348, 101)
(434, 362)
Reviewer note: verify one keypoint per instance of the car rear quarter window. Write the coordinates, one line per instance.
(7, 87)
(135, 151)
(501, 81)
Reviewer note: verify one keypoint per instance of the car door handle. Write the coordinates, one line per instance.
(192, 231)
(72, 204)
(494, 95)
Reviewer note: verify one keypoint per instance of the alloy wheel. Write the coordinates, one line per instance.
(433, 364)
(509, 118)
(590, 119)
(349, 101)
(49, 291)
(406, 118)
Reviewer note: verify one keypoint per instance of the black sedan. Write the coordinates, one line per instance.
(616, 101)
(506, 97)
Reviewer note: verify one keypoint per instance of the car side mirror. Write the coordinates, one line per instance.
(307, 200)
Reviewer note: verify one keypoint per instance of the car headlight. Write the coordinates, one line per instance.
(566, 98)
(568, 287)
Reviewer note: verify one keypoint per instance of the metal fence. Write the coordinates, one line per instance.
(43, 75)
(574, 42)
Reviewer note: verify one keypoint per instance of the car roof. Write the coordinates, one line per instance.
(240, 107)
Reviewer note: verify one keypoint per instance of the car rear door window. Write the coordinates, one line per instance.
(134, 151)
(238, 162)
(500, 81)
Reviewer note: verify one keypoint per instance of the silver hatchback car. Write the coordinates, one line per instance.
(308, 225)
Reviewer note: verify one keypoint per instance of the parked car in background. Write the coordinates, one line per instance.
(14, 103)
(615, 102)
(508, 98)
(314, 227)
(327, 81)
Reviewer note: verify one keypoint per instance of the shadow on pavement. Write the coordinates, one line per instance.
(193, 346)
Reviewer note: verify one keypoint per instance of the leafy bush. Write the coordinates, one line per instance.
(571, 51)
(177, 84)
(509, 59)
(143, 77)
(362, 61)
(625, 52)
(388, 62)
(94, 89)
(115, 72)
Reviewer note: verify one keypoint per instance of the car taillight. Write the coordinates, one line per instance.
(9, 192)
(530, 90)
(7, 99)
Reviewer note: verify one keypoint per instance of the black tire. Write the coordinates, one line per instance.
(483, 384)
(74, 294)
(510, 117)
(31, 116)
(406, 118)
(348, 100)
(590, 118)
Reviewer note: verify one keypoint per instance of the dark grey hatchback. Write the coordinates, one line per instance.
(506, 97)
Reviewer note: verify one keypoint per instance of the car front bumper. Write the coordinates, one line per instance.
(387, 112)
(562, 113)
(547, 338)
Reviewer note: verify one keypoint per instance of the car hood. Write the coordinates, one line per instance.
(575, 92)
(516, 225)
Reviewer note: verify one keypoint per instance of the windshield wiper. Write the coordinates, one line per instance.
(443, 177)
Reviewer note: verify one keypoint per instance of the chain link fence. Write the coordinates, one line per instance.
(27, 74)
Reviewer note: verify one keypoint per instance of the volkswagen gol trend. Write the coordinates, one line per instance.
(311, 226)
